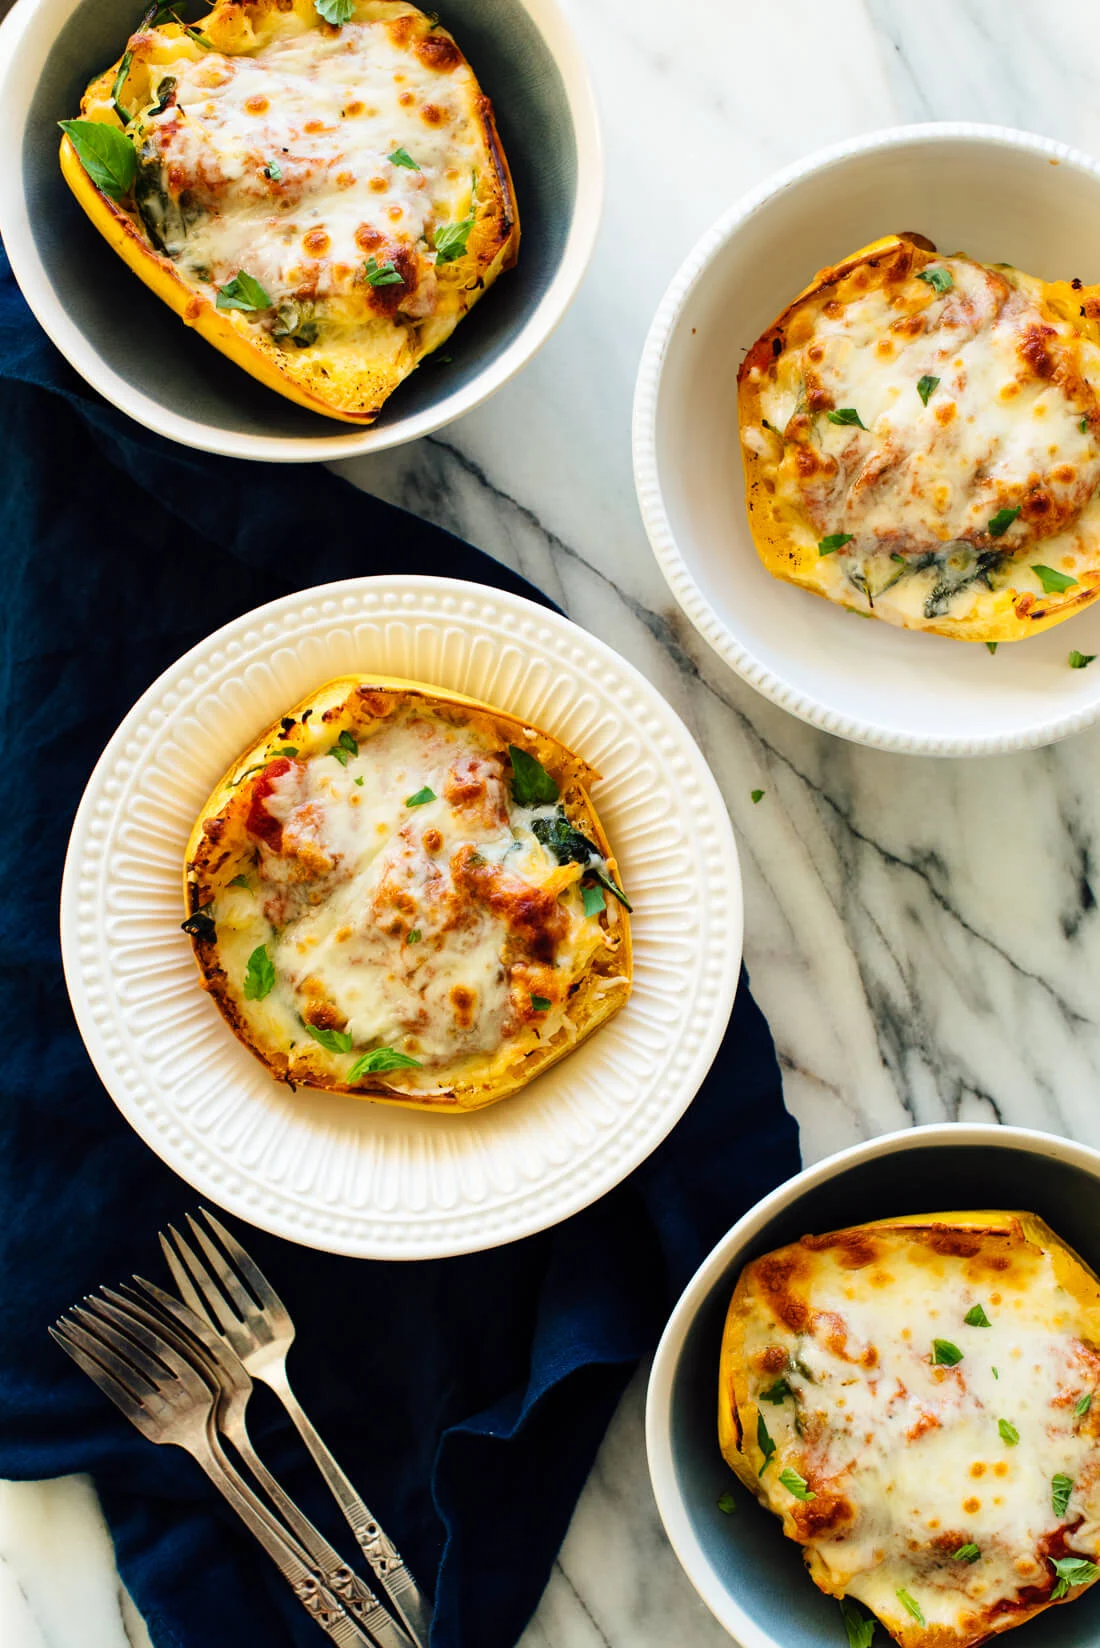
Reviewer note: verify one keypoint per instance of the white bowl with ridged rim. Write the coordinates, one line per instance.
(751, 1578)
(1000, 195)
(340, 1173)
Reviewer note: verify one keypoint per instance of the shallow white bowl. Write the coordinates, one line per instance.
(750, 1576)
(138, 355)
(1000, 195)
(341, 1173)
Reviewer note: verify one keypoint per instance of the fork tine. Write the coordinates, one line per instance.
(123, 1398)
(185, 1321)
(117, 1368)
(154, 1364)
(180, 1275)
(148, 1336)
(246, 1265)
(215, 1300)
(224, 1271)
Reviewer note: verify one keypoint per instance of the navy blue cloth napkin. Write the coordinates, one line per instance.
(465, 1397)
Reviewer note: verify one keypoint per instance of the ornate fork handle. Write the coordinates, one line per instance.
(412, 1606)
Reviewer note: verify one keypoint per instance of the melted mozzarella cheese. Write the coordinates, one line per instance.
(929, 1458)
(1005, 423)
(322, 111)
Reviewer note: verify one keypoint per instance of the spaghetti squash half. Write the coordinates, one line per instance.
(921, 442)
(404, 894)
(322, 201)
(919, 1401)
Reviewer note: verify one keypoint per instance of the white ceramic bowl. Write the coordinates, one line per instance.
(139, 356)
(750, 1576)
(1000, 195)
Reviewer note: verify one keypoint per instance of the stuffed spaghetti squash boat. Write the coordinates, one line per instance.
(322, 200)
(407, 895)
(917, 1400)
(921, 442)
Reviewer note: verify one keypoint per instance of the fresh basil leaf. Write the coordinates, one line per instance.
(200, 925)
(242, 292)
(1061, 1487)
(348, 741)
(1083, 426)
(927, 386)
(991, 646)
(532, 785)
(1053, 582)
(541, 1004)
(1083, 1406)
(727, 1504)
(274, 171)
(999, 524)
(450, 240)
(1080, 660)
(413, 936)
(764, 1442)
(977, 1318)
(860, 1628)
(945, 1354)
(290, 750)
(911, 1606)
(241, 881)
(358, 781)
(1008, 1431)
(559, 837)
(594, 901)
(382, 1058)
(333, 1041)
(340, 755)
(402, 157)
(967, 1553)
(845, 415)
(615, 891)
(259, 975)
(1071, 1570)
(421, 798)
(941, 280)
(382, 274)
(833, 542)
(796, 1484)
(777, 1393)
(756, 796)
(335, 11)
(106, 154)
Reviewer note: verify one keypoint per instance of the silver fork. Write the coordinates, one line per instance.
(195, 1337)
(168, 1400)
(255, 1324)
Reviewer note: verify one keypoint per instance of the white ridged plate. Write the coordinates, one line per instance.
(341, 1173)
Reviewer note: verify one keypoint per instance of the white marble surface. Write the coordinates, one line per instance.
(922, 935)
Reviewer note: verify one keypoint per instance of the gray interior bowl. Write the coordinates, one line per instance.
(751, 1577)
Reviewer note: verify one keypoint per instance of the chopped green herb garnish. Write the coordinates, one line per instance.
(967, 1553)
(941, 280)
(1060, 1489)
(1008, 1431)
(977, 1318)
(450, 240)
(259, 975)
(726, 1503)
(421, 798)
(1083, 426)
(541, 1004)
(242, 292)
(532, 785)
(834, 541)
(900, 559)
(1083, 1406)
(333, 1041)
(860, 1628)
(991, 646)
(796, 1484)
(382, 274)
(945, 1354)
(287, 749)
(996, 1375)
(845, 415)
(594, 900)
(402, 157)
(344, 748)
(911, 1606)
(413, 936)
(998, 524)
(106, 154)
(382, 1058)
(1080, 660)
(777, 1393)
(926, 387)
(358, 781)
(763, 1442)
(756, 796)
(1053, 582)
(241, 881)
(274, 171)
(335, 11)
(1071, 1570)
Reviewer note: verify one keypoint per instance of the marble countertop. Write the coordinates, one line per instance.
(922, 935)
